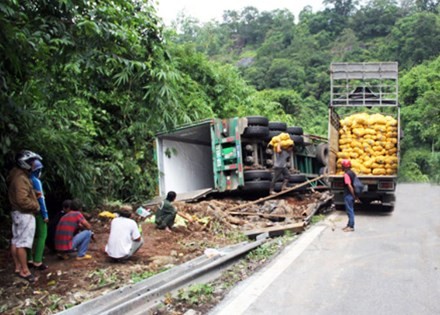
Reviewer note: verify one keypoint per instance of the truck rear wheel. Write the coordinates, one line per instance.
(256, 186)
(322, 153)
(295, 130)
(297, 140)
(257, 121)
(387, 209)
(254, 175)
(256, 132)
(277, 125)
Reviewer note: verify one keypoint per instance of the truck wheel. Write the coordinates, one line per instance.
(322, 153)
(295, 130)
(257, 175)
(257, 121)
(387, 209)
(256, 132)
(302, 188)
(297, 140)
(297, 178)
(273, 133)
(258, 185)
(277, 125)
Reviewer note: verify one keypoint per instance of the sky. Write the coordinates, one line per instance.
(206, 10)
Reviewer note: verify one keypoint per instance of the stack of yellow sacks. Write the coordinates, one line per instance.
(370, 142)
(283, 139)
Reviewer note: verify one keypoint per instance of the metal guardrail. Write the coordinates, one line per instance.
(138, 298)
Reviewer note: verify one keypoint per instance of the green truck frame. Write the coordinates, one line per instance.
(222, 155)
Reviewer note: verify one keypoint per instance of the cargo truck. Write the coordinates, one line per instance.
(359, 87)
(225, 155)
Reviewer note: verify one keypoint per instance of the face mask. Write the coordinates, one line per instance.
(37, 173)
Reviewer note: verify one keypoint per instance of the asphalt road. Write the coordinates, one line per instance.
(389, 265)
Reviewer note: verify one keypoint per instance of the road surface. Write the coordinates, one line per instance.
(389, 265)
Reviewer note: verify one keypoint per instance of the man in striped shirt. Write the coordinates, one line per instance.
(73, 232)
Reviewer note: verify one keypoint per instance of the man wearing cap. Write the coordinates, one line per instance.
(349, 194)
(24, 205)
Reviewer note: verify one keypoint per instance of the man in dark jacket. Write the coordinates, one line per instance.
(166, 215)
(24, 206)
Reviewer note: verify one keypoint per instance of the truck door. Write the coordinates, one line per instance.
(226, 153)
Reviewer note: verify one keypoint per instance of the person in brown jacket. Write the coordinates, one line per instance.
(24, 206)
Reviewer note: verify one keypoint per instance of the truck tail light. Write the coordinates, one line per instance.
(385, 185)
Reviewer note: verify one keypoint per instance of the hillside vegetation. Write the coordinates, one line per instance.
(87, 84)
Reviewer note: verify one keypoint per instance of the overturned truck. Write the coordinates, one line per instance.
(232, 155)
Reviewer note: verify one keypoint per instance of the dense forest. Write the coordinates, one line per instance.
(88, 83)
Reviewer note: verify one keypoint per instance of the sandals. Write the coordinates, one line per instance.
(29, 278)
(40, 267)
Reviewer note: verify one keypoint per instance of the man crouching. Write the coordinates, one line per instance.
(124, 239)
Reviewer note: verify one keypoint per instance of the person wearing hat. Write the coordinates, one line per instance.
(24, 205)
(349, 194)
(35, 257)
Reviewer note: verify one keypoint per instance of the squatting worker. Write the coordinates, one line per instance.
(73, 233)
(166, 214)
(349, 194)
(280, 169)
(124, 239)
(24, 206)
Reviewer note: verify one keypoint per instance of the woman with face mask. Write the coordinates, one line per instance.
(35, 257)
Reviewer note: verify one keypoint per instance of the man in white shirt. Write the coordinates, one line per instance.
(124, 239)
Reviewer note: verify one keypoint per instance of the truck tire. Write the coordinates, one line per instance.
(277, 125)
(302, 188)
(297, 140)
(322, 153)
(257, 175)
(273, 133)
(295, 130)
(256, 186)
(257, 121)
(297, 178)
(387, 209)
(256, 132)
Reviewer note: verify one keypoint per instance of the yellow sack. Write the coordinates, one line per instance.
(342, 155)
(379, 171)
(390, 171)
(107, 214)
(286, 143)
(284, 136)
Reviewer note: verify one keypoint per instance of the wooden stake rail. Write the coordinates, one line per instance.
(275, 195)
(265, 215)
(276, 230)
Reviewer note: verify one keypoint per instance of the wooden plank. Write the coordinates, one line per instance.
(275, 195)
(264, 215)
(276, 230)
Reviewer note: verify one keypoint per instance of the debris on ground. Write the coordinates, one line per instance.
(204, 227)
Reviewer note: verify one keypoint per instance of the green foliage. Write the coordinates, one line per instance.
(88, 84)
(196, 294)
(137, 277)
